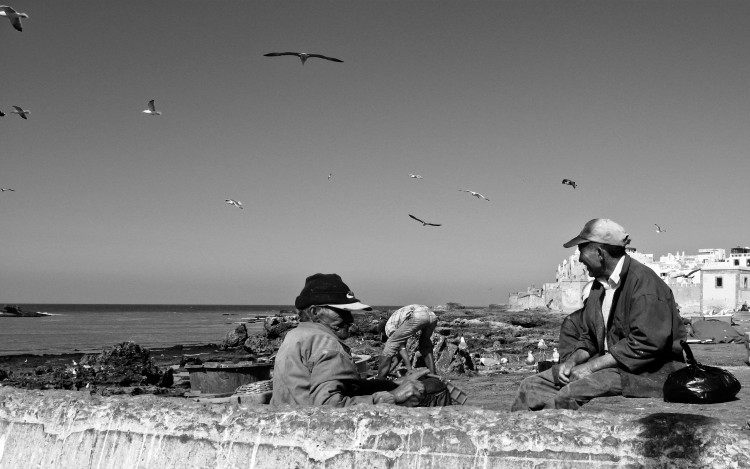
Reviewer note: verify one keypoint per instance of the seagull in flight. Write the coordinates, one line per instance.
(687, 275)
(13, 16)
(415, 176)
(424, 223)
(330, 175)
(2, 114)
(21, 112)
(3, 189)
(236, 203)
(303, 56)
(569, 182)
(475, 194)
(152, 109)
(658, 229)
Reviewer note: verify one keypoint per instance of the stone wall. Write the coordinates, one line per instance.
(65, 429)
(688, 297)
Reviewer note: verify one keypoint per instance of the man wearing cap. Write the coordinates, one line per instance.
(404, 323)
(314, 366)
(630, 330)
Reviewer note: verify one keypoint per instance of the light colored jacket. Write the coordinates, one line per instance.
(314, 367)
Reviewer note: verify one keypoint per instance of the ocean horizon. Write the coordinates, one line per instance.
(92, 328)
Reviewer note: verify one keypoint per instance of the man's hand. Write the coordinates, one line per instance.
(580, 371)
(414, 375)
(565, 369)
(408, 394)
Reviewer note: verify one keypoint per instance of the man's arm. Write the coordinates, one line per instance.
(575, 359)
(590, 366)
(405, 357)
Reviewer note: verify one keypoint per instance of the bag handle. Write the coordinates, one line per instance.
(688, 353)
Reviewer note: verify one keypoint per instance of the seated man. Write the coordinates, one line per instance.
(313, 365)
(403, 324)
(630, 330)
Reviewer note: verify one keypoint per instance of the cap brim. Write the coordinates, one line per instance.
(575, 242)
(356, 306)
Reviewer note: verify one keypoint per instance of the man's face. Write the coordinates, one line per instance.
(337, 320)
(592, 259)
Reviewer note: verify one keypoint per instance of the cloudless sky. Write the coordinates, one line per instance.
(645, 104)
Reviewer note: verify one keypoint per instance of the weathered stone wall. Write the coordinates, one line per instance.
(688, 297)
(64, 429)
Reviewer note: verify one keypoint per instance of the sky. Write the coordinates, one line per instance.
(645, 104)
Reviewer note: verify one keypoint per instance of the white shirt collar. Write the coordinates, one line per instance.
(614, 279)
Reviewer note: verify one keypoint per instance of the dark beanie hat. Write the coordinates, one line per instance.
(328, 290)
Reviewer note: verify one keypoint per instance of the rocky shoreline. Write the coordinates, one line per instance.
(127, 369)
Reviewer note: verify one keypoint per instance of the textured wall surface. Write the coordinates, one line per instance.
(63, 429)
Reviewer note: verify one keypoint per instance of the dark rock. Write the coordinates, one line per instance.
(167, 379)
(279, 329)
(260, 345)
(235, 338)
(3, 375)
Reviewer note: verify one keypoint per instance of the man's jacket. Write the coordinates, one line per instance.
(314, 367)
(643, 332)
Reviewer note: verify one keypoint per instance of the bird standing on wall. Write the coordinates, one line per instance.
(530, 360)
(475, 194)
(424, 223)
(555, 355)
(303, 56)
(13, 16)
(541, 346)
(570, 183)
(658, 229)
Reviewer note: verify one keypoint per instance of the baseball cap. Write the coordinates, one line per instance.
(601, 230)
(328, 290)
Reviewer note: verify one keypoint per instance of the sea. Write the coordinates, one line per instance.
(92, 328)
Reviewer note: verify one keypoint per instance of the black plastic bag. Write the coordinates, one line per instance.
(699, 384)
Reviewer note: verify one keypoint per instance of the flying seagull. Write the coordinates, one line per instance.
(236, 203)
(658, 229)
(3, 189)
(2, 114)
(330, 175)
(13, 16)
(687, 275)
(415, 176)
(475, 194)
(424, 223)
(569, 182)
(21, 112)
(303, 56)
(152, 109)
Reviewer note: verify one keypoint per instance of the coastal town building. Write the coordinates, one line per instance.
(707, 281)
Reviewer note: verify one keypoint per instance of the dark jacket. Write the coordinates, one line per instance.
(643, 332)
(570, 332)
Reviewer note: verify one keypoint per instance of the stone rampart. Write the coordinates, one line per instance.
(65, 429)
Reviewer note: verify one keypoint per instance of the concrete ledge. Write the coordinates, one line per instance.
(64, 429)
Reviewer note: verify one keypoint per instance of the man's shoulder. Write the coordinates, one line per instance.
(644, 280)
